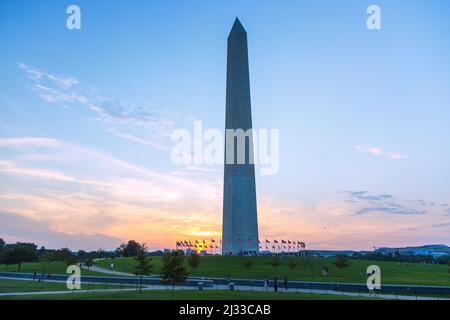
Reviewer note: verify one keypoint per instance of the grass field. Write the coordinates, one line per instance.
(45, 267)
(35, 286)
(183, 295)
(222, 266)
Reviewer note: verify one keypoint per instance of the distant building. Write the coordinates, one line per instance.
(436, 251)
(439, 254)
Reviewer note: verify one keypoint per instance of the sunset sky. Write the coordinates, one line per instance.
(86, 118)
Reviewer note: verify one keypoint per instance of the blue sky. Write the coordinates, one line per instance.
(86, 117)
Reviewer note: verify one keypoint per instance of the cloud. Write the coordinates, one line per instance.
(364, 195)
(382, 203)
(149, 124)
(373, 150)
(17, 227)
(73, 188)
(441, 225)
(140, 140)
(28, 141)
(390, 210)
(379, 152)
(10, 168)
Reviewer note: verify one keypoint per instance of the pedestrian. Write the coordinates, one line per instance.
(266, 283)
(285, 283)
(275, 284)
(229, 283)
(34, 275)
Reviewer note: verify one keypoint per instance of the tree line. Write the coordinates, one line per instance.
(22, 252)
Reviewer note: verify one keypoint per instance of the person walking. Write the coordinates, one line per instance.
(34, 275)
(275, 284)
(285, 283)
(266, 283)
(229, 282)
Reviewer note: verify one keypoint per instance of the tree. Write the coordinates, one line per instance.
(293, 263)
(341, 262)
(19, 253)
(2, 248)
(248, 264)
(63, 254)
(81, 254)
(130, 249)
(100, 253)
(143, 264)
(88, 263)
(173, 270)
(276, 262)
(194, 260)
(42, 251)
(308, 262)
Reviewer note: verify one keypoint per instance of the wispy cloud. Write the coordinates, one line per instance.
(18, 227)
(140, 140)
(28, 141)
(441, 225)
(390, 210)
(381, 203)
(135, 122)
(380, 152)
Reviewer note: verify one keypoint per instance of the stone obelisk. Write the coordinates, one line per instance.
(240, 222)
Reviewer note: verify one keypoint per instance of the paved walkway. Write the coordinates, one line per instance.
(108, 271)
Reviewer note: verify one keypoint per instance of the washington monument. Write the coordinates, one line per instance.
(240, 221)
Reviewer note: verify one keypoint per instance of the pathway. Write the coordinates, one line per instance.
(108, 271)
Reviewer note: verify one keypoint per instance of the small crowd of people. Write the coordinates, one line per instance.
(275, 283)
(42, 277)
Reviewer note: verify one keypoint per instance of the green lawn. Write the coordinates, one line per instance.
(221, 266)
(35, 286)
(44, 267)
(184, 295)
